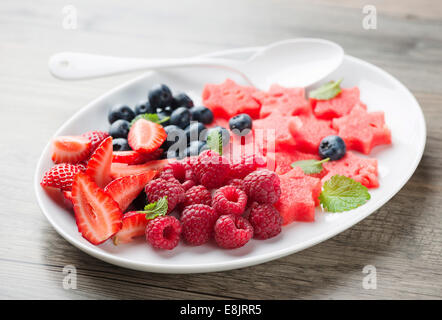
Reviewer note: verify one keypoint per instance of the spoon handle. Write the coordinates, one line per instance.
(76, 66)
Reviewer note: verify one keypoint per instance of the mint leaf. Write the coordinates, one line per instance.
(310, 166)
(214, 141)
(327, 91)
(153, 117)
(341, 193)
(156, 209)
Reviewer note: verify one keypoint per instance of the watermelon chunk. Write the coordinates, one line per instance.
(284, 158)
(363, 170)
(338, 106)
(299, 196)
(309, 131)
(286, 101)
(362, 130)
(229, 99)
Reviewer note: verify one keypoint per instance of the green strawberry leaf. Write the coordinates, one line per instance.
(327, 91)
(153, 117)
(156, 209)
(341, 193)
(215, 141)
(310, 166)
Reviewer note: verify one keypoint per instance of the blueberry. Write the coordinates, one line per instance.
(119, 129)
(241, 124)
(174, 134)
(160, 96)
(143, 107)
(194, 148)
(180, 117)
(223, 131)
(161, 116)
(193, 131)
(120, 144)
(120, 112)
(202, 114)
(332, 147)
(182, 100)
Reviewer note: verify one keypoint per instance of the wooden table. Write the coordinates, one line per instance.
(403, 239)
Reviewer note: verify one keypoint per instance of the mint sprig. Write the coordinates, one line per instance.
(341, 193)
(153, 117)
(326, 91)
(214, 141)
(156, 209)
(310, 166)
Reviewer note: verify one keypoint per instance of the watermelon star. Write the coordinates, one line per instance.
(362, 130)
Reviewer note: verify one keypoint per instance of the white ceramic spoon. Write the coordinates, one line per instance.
(298, 62)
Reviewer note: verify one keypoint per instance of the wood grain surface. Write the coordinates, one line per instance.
(403, 239)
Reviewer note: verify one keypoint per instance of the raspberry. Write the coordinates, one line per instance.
(159, 188)
(232, 231)
(238, 184)
(95, 137)
(263, 186)
(211, 169)
(188, 184)
(229, 200)
(197, 221)
(197, 195)
(163, 232)
(174, 170)
(247, 164)
(265, 220)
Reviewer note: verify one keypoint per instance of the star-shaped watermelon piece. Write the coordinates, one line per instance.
(338, 106)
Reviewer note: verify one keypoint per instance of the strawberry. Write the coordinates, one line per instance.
(134, 225)
(67, 199)
(124, 190)
(146, 136)
(97, 215)
(119, 170)
(99, 165)
(133, 157)
(95, 137)
(60, 176)
(70, 149)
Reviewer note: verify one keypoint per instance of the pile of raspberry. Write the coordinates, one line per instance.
(215, 199)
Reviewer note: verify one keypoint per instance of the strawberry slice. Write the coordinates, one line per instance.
(97, 215)
(60, 176)
(133, 157)
(70, 149)
(95, 137)
(124, 190)
(146, 136)
(99, 165)
(134, 225)
(119, 170)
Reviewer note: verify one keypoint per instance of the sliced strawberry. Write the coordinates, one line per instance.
(67, 197)
(146, 136)
(95, 137)
(97, 215)
(119, 170)
(124, 190)
(133, 157)
(61, 176)
(70, 149)
(99, 165)
(134, 225)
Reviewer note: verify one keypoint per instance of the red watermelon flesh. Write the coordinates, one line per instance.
(338, 106)
(362, 130)
(229, 99)
(286, 101)
(309, 131)
(299, 196)
(284, 158)
(363, 170)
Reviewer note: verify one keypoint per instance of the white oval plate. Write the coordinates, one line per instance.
(379, 90)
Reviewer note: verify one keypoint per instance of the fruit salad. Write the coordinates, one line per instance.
(241, 165)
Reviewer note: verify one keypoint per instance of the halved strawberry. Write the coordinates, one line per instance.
(70, 149)
(97, 215)
(99, 165)
(119, 170)
(60, 176)
(124, 190)
(146, 136)
(67, 199)
(134, 157)
(95, 137)
(134, 225)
